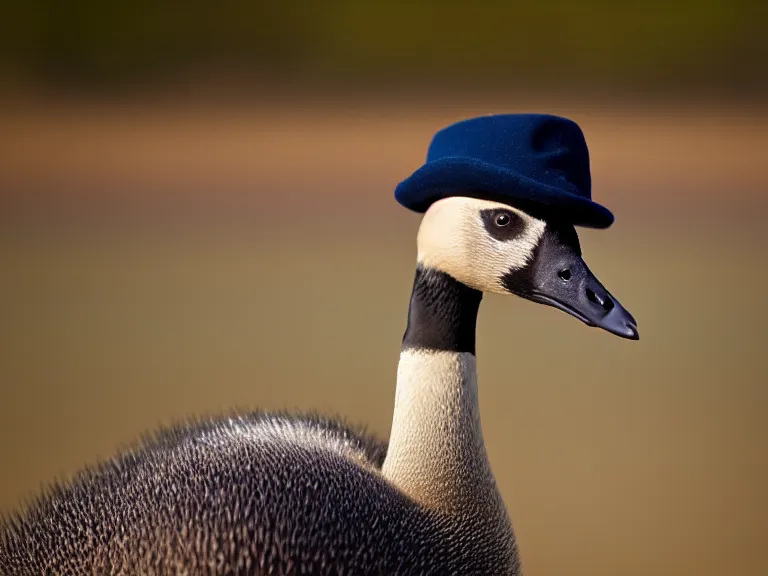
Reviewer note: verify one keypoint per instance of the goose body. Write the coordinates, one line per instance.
(296, 494)
(268, 493)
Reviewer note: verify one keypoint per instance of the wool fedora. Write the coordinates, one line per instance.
(534, 161)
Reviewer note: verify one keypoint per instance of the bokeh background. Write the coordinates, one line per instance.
(196, 213)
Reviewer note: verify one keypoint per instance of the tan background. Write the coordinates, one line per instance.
(196, 213)
(160, 262)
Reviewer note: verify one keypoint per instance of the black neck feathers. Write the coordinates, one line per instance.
(442, 314)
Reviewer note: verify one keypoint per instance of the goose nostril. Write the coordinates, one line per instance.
(606, 303)
(564, 275)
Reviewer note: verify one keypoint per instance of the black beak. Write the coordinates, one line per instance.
(559, 277)
(585, 298)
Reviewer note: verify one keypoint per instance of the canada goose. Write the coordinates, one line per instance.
(299, 494)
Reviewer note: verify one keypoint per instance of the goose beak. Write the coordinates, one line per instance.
(557, 276)
(584, 297)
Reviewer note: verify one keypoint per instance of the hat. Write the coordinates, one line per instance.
(532, 160)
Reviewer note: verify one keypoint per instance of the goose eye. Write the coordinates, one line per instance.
(502, 225)
(502, 219)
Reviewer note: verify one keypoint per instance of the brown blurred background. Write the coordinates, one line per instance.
(196, 213)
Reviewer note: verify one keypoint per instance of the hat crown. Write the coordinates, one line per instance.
(536, 161)
(549, 149)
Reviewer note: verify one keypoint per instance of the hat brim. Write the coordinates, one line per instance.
(470, 177)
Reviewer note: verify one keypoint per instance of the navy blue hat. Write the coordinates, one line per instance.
(534, 160)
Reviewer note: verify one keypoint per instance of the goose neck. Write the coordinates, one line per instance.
(436, 452)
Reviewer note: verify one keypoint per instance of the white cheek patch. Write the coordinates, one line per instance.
(453, 239)
(443, 237)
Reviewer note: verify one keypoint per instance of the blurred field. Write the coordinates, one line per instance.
(159, 264)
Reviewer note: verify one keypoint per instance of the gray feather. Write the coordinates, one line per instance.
(248, 494)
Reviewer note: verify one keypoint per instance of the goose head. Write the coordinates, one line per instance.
(498, 248)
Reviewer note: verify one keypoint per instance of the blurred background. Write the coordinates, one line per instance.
(197, 213)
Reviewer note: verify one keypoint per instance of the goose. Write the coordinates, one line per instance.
(282, 493)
